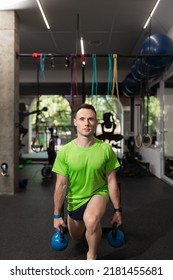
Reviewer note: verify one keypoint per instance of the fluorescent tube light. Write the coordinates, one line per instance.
(151, 14)
(82, 46)
(43, 14)
(82, 50)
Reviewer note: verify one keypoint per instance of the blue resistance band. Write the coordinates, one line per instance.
(94, 76)
(109, 86)
(42, 62)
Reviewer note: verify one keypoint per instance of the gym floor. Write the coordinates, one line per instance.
(27, 224)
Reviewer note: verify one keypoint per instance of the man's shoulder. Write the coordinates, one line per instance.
(102, 143)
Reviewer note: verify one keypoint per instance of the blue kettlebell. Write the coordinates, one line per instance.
(116, 237)
(59, 240)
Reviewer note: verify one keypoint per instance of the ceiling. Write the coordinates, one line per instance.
(112, 26)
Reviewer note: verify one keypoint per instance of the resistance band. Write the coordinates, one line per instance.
(142, 139)
(146, 136)
(109, 86)
(36, 144)
(94, 76)
(115, 77)
(138, 138)
(42, 63)
(74, 84)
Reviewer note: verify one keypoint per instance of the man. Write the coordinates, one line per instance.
(87, 166)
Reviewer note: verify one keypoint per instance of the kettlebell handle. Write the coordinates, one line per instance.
(61, 229)
(114, 229)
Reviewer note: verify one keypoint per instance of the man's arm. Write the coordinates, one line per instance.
(114, 193)
(59, 197)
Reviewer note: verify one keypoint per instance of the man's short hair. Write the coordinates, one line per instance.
(86, 106)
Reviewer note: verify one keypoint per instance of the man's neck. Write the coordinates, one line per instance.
(84, 141)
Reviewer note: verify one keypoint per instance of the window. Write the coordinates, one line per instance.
(57, 116)
(151, 116)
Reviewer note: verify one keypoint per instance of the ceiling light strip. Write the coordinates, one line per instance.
(151, 14)
(82, 46)
(43, 14)
(82, 50)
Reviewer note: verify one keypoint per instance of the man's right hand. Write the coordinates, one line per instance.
(58, 222)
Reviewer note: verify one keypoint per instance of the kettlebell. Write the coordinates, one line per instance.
(59, 240)
(116, 237)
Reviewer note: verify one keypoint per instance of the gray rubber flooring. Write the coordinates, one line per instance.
(26, 224)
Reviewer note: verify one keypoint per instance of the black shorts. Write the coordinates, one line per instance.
(78, 213)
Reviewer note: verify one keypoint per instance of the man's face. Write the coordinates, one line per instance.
(85, 122)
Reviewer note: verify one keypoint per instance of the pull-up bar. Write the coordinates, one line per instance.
(98, 55)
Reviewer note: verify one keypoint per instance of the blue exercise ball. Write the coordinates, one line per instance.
(157, 44)
(59, 240)
(145, 70)
(124, 91)
(131, 85)
(136, 75)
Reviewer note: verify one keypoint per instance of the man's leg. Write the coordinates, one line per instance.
(92, 219)
(76, 228)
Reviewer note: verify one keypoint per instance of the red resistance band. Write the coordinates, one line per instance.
(36, 56)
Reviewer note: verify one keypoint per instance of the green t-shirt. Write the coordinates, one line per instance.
(86, 169)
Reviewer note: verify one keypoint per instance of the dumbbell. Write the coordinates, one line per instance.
(116, 237)
(59, 240)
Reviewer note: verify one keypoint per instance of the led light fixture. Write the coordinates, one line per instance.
(82, 51)
(151, 14)
(43, 14)
(82, 46)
